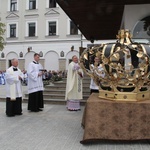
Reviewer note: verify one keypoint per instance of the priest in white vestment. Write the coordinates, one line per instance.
(13, 78)
(35, 85)
(74, 85)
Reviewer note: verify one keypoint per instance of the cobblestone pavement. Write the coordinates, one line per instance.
(54, 128)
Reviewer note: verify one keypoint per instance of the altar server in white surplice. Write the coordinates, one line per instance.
(74, 85)
(35, 85)
(94, 88)
(13, 78)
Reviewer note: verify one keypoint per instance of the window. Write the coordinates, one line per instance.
(31, 29)
(12, 30)
(73, 28)
(9, 63)
(52, 3)
(13, 5)
(32, 4)
(52, 28)
(142, 28)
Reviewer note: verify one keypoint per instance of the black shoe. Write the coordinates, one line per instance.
(34, 110)
(10, 115)
(40, 109)
(19, 114)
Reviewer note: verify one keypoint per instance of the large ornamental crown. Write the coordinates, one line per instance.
(123, 72)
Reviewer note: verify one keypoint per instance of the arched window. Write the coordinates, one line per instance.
(142, 29)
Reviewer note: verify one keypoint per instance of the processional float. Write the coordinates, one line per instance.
(125, 65)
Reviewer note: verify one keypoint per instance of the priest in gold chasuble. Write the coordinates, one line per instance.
(74, 85)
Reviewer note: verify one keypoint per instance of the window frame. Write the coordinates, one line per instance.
(8, 29)
(53, 34)
(55, 3)
(28, 5)
(47, 27)
(33, 3)
(48, 4)
(9, 6)
(12, 30)
(68, 28)
(31, 27)
(14, 4)
(27, 28)
(74, 28)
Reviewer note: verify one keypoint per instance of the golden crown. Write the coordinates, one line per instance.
(123, 72)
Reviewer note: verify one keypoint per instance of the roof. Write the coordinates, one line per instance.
(97, 19)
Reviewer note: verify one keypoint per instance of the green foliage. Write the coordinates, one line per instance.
(2, 31)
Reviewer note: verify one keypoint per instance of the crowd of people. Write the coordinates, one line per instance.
(47, 76)
(34, 78)
(35, 75)
(2, 77)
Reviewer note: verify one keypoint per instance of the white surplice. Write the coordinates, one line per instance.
(74, 82)
(35, 82)
(13, 84)
(93, 85)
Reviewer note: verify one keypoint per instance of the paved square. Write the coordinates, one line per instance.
(55, 128)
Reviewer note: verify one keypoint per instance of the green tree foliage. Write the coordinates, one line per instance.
(2, 31)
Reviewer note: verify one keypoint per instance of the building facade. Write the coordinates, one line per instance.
(38, 26)
(41, 26)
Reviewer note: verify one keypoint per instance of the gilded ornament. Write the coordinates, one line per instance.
(122, 75)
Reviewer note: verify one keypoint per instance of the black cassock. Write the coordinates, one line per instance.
(35, 101)
(13, 107)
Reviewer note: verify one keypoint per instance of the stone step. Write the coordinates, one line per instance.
(64, 81)
(48, 101)
(54, 87)
(62, 91)
(58, 96)
(63, 84)
(63, 87)
(84, 78)
(50, 91)
(54, 101)
(54, 93)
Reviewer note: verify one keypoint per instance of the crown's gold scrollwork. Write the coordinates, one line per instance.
(123, 72)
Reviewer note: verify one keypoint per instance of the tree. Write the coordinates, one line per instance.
(2, 31)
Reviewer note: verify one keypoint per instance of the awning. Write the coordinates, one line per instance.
(97, 19)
